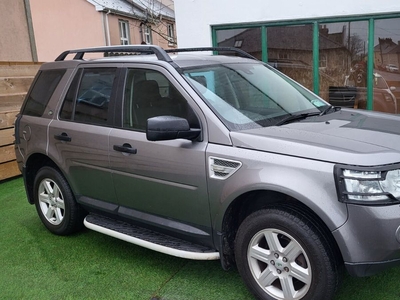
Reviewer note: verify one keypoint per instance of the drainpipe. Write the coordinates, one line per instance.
(31, 32)
(106, 28)
(141, 33)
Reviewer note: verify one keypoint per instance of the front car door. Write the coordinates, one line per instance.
(162, 183)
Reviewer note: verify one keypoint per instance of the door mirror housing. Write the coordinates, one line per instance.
(164, 128)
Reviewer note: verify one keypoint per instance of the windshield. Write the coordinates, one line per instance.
(252, 95)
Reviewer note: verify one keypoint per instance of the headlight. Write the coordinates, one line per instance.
(368, 185)
(388, 97)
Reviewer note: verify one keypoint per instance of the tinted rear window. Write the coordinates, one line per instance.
(41, 92)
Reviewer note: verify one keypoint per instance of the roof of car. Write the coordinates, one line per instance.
(181, 58)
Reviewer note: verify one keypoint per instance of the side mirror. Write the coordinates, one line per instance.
(392, 88)
(164, 128)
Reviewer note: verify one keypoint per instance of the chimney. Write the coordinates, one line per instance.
(323, 30)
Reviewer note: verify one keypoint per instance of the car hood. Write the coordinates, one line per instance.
(347, 136)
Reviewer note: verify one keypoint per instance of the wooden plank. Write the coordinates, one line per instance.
(18, 68)
(6, 136)
(15, 80)
(9, 169)
(12, 100)
(7, 153)
(12, 85)
(7, 119)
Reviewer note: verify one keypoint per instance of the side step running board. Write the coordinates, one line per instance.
(149, 239)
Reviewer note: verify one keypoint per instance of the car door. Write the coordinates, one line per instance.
(159, 183)
(78, 137)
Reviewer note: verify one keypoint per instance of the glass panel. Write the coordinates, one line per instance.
(124, 32)
(149, 94)
(386, 65)
(147, 35)
(343, 63)
(94, 95)
(251, 95)
(290, 51)
(170, 34)
(248, 40)
(42, 91)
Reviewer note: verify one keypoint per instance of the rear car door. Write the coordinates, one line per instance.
(159, 183)
(78, 138)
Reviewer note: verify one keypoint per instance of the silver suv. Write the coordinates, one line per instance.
(205, 156)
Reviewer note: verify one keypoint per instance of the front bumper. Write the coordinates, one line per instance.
(370, 239)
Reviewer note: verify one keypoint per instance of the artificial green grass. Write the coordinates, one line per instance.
(35, 264)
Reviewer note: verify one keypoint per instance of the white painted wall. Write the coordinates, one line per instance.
(194, 17)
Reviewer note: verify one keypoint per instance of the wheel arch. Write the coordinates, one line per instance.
(32, 166)
(252, 201)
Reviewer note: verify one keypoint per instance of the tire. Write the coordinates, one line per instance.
(55, 203)
(280, 254)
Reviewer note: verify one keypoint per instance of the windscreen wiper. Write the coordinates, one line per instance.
(297, 117)
(330, 108)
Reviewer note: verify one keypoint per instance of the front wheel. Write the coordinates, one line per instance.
(280, 254)
(55, 203)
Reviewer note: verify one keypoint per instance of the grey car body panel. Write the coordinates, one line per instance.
(374, 228)
(347, 136)
(84, 158)
(33, 138)
(167, 174)
(305, 180)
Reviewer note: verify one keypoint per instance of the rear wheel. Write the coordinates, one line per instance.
(55, 203)
(280, 254)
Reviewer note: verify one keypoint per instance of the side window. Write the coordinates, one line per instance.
(148, 94)
(42, 91)
(88, 96)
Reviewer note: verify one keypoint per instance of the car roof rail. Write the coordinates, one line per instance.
(160, 53)
(215, 49)
(140, 49)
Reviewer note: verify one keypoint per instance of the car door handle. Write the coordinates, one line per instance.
(62, 137)
(125, 148)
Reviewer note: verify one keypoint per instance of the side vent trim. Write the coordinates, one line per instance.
(222, 168)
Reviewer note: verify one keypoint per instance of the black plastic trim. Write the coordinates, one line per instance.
(142, 49)
(226, 49)
(343, 194)
(161, 54)
(98, 204)
(16, 129)
(370, 268)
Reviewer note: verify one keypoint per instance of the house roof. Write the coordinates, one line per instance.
(387, 46)
(137, 9)
(285, 37)
(156, 7)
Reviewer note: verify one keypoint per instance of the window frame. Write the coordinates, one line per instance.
(75, 83)
(119, 104)
(124, 30)
(171, 34)
(323, 61)
(147, 35)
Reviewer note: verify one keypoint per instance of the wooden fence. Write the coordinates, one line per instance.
(15, 80)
